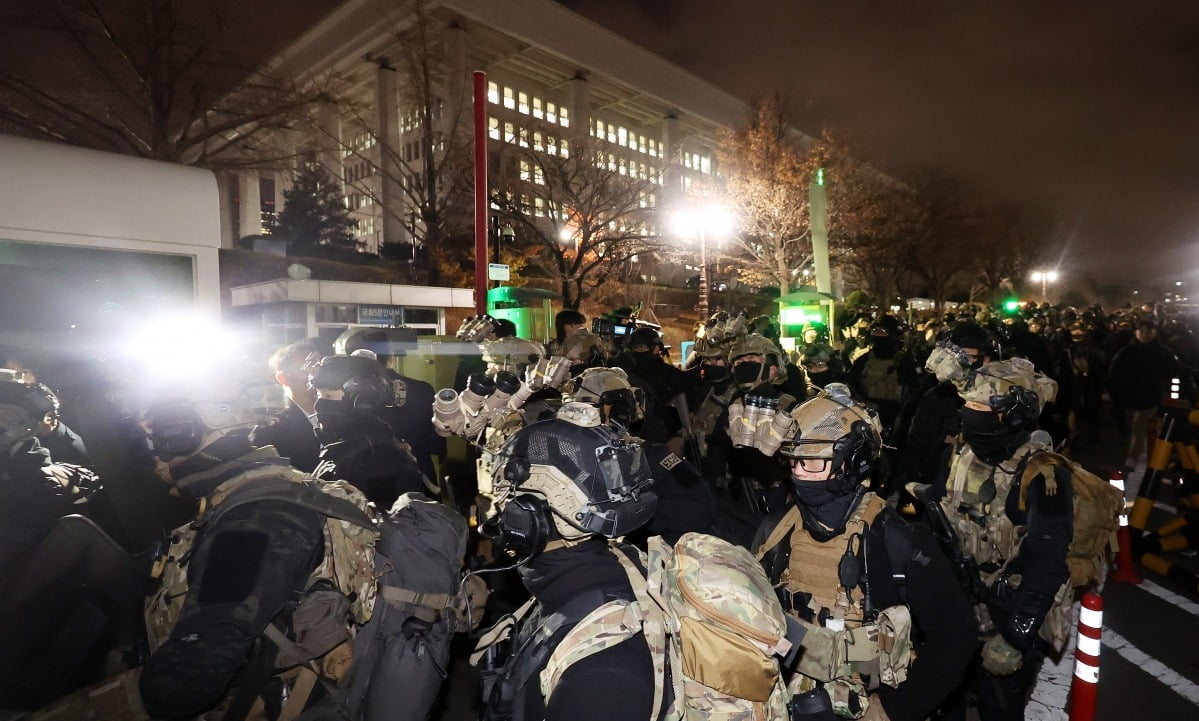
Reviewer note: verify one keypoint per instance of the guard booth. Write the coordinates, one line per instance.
(529, 308)
(801, 308)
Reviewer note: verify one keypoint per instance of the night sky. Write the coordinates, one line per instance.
(1086, 108)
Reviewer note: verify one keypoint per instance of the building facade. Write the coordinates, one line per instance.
(556, 82)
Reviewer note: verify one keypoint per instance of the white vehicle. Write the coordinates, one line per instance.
(92, 242)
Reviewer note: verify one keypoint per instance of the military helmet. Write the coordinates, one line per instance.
(602, 387)
(755, 344)
(707, 348)
(1012, 386)
(366, 386)
(584, 347)
(584, 480)
(182, 423)
(512, 354)
(816, 353)
(834, 427)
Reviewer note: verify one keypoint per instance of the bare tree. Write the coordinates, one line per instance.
(430, 172)
(143, 77)
(581, 212)
(767, 181)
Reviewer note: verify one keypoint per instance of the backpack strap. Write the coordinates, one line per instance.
(427, 607)
(1040, 463)
(898, 543)
(789, 522)
(306, 494)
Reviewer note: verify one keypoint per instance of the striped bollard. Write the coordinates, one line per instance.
(1126, 570)
(1085, 687)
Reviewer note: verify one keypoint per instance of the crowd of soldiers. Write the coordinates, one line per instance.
(896, 489)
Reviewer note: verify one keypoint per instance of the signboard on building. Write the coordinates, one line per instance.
(498, 271)
(372, 314)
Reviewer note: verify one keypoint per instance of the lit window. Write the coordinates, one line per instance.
(611, 133)
(596, 127)
(564, 116)
(524, 137)
(493, 128)
(641, 143)
(611, 162)
(624, 170)
(538, 112)
(509, 133)
(522, 103)
(509, 98)
(525, 173)
(641, 171)
(705, 165)
(551, 112)
(493, 93)
(686, 183)
(622, 137)
(653, 148)
(538, 142)
(565, 148)
(551, 145)
(538, 175)
(538, 207)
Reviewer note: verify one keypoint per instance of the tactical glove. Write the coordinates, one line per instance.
(1001, 658)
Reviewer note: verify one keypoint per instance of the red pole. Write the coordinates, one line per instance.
(1085, 688)
(481, 203)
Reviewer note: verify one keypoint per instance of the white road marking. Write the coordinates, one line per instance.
(1170, 597)
(1179, 684)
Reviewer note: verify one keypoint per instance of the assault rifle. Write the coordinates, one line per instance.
(964, 565)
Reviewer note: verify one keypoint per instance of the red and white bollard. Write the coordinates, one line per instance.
(1085, 688)
(1126, 568)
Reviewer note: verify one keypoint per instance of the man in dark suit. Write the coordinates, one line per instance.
(292, 434)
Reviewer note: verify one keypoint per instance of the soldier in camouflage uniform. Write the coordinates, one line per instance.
(1018, 534)
(564, 487)
(863, 584)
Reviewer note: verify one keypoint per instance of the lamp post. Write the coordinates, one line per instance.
(700, 220)
(1045, 277)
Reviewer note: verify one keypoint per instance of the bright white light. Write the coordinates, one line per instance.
(566, 235)
(1045, 276)
(1178, 282)
(714, 221)
(180, 346)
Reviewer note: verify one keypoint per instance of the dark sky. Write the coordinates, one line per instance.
(1089, 108)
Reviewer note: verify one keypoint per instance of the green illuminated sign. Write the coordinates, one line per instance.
(799, 316)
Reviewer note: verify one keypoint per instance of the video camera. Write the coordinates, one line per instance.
(614, 329)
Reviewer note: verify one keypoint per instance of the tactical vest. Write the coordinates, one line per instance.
(703, 421)
(880, 381)
(985, 531)
(849, 646)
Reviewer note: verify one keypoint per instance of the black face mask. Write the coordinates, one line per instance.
(824, 512)
(333, 418)
(981, 423)
(748, 373)
(715, 374)
(821, 379)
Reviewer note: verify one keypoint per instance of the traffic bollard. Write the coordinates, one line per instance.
(1126, 570)
(1085, 688)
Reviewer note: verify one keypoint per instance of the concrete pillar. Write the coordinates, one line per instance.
(331, 143)
(580, 106)
(249, 212)
(671, 155)
(456, 116)
(225, 189)
(391, 195)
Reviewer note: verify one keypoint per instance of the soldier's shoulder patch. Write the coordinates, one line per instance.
(670, 461)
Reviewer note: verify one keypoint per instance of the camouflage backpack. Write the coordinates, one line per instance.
(709, 614)
(1097, 506)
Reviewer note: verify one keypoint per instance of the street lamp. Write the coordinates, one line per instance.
(703, 220)
(1044, 277)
